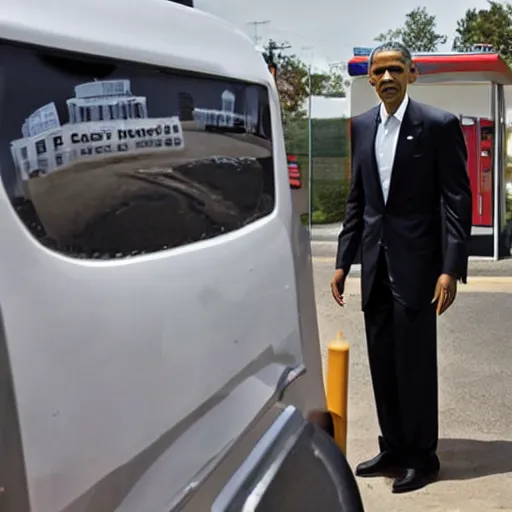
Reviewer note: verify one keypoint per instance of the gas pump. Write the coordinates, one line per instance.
(486, 166)
(479, 135)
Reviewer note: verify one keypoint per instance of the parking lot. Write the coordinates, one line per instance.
(475, 367)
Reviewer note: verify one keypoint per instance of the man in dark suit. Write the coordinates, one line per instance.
(409, 208)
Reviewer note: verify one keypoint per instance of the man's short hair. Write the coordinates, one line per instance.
(391, 46)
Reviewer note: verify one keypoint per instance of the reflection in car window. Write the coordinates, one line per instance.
(105, 159)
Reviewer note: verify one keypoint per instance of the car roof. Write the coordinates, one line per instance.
(157, 32)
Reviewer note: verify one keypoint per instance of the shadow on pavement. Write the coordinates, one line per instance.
(467, 459)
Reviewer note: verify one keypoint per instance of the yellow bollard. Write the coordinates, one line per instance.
(337, 389)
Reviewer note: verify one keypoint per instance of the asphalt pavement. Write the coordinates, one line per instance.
(475, 368)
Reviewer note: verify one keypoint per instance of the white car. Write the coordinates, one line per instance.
(158, 336)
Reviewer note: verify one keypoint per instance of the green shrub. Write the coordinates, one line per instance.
(329, 199)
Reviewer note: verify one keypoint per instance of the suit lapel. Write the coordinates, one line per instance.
(410, 131)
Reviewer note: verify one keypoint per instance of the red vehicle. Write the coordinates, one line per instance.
(294, 172)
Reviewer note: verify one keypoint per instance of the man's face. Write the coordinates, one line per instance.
(390, 76)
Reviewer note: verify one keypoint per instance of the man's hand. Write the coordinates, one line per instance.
(338, 286)
(446, 291)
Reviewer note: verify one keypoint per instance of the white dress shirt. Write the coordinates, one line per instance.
(386, 141)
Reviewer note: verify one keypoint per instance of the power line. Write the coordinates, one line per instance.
(257, 25)
(284, 46)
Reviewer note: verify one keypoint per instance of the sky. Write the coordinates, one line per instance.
(326, 31)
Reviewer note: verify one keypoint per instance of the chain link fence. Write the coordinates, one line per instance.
(330, 164)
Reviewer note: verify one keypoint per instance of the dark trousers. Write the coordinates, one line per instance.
(402, 350)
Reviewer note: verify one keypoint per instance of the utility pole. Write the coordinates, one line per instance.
(257, 24)
(284, 46)
(271, 57)
(310, 149)
(310, 158)
(273, 47)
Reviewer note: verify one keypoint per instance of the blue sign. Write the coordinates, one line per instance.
(362, 52)
(358, 68)
(482, 48)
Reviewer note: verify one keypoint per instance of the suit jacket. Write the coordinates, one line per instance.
(424, 227)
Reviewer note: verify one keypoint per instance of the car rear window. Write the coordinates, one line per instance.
(105, 159)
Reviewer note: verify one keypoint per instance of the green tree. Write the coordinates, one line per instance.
(319, 83)
(291, 79)
(486, 26)
(336, 83)
(330, 84)
(293, 84)
(418, 32)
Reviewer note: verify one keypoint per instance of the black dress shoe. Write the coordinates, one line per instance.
(385, 464)
(415, 479)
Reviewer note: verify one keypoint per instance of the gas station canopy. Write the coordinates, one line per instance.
(476, 66)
